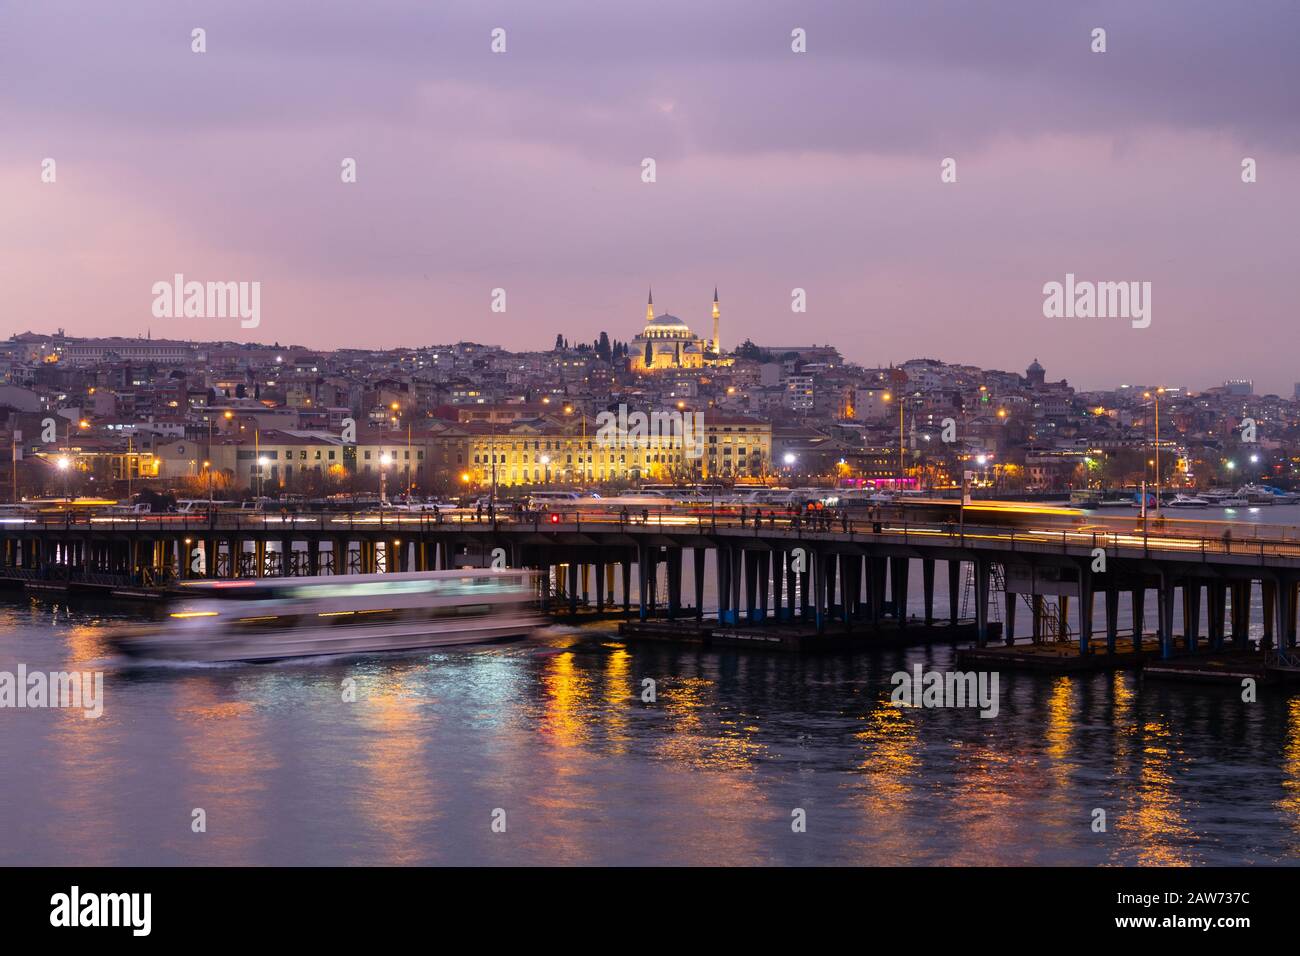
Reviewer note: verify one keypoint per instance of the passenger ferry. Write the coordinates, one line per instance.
(268, 619)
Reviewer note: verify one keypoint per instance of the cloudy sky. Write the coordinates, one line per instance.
(775, 170)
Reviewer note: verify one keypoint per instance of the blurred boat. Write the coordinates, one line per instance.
(266, 619)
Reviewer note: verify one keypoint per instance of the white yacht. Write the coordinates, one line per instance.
(265, 619)
(1224, 499)
(1258, 494)
(1187, 501)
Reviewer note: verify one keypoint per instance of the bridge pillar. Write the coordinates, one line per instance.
(722, 572)
(627, 587)
(876, 582)
(673, 560)
(1191, 615)
(737, 579)
(954, 590)
(699, 555)
(927, 589)
(1112, 616)
(764, 573)
(981, 601)
(1166, 611)
(898, 571)
(1215, 594)
(750, 559)
(600, 587)
(846, 589)
(1285, 602)
(778, 580)
(1063, 618)
(1269, 593)
(1138, 607)
(572, 588)
(1010, 601)
(806, 602)
(1285, 609)
(1085, 611)
(817, 571)
(1241, 613)
(827, 569)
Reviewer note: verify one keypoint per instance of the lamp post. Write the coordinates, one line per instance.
(64, 464)
(1158, 392)
(384, 460)
(262, 462)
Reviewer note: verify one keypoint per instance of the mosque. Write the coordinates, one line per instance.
(667, 342)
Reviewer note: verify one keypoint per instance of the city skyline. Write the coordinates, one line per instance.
(775, 171)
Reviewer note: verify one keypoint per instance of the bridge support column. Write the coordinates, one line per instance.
(750, 559)
(927, 589)
(1215, 598)
(1010, 601)
(898, 569)
(1285, 603)
(778, 581)
(981, 601)
(1138, 607)
(600, 587)
(737, 579)
(1062, 618)
(827, 571)
(1166, 606)
(805, 586)
(1269, 591)
(1241, 613)
(817, 571)
(673, 559)
(954, 590)
(1085, 611)
(1112, 617)
(764, 575)
(722, 571)
(627, 587)
(791, 586)
(1191, 615)
(572, 588)
(699, 554)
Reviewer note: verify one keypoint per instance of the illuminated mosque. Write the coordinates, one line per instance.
(667, 342)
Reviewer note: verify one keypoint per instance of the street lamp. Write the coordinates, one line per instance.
(1159, 391)
(384, 461)
(64, 464)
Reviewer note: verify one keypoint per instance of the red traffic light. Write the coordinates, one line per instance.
(555, 519)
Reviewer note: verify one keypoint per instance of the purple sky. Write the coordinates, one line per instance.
(775, 170)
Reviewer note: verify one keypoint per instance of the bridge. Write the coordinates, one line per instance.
(824, 574)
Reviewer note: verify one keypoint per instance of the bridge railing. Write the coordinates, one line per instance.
(1151, 539)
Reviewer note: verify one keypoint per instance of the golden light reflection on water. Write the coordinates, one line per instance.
(888, 774)
(227, 751)
(1289, 805)
(84, 755)
(734, 746)
(567, 692)
(1152, 827)
(619, 695)
(396, 796)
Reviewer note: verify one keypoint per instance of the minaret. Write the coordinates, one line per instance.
(716, 316)
(650, 308)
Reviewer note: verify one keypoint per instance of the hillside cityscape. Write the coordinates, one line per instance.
(118, 416)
